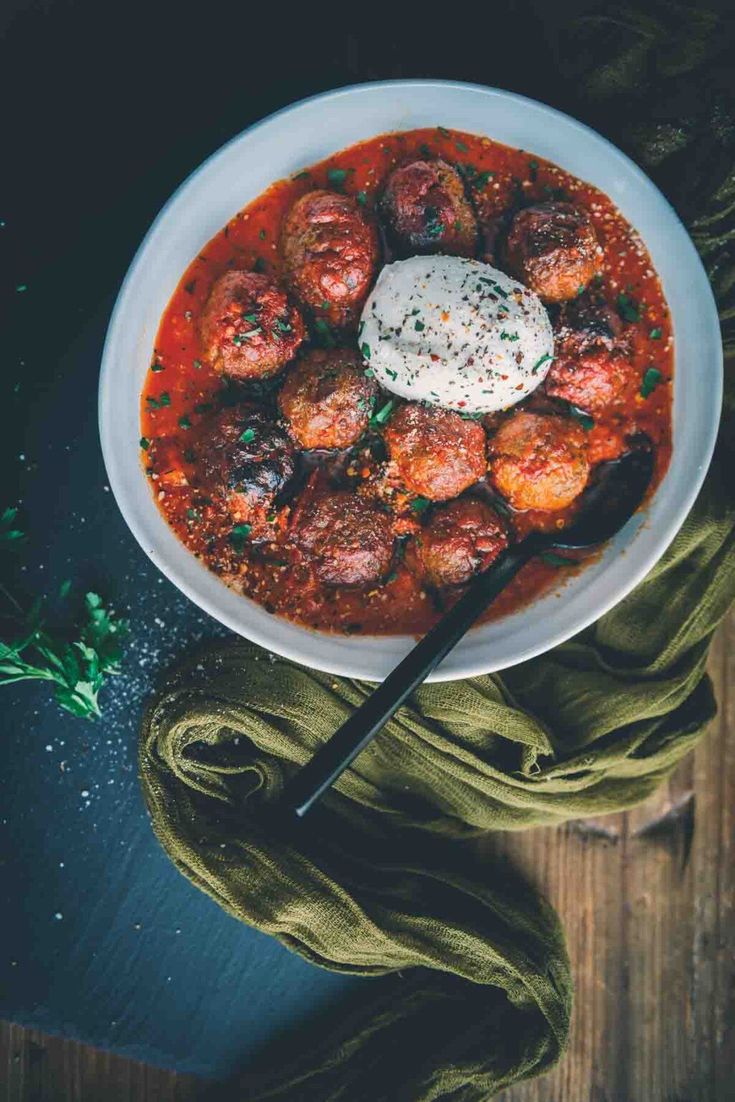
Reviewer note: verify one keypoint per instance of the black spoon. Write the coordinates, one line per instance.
(608, 503)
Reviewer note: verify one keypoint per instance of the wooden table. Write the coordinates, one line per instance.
(648, 902)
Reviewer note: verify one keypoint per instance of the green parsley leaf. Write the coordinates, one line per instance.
(443, 131)
(584, 419)
(362, 198)
(651, 378)
(240, 338)
(247, 436)
(197, 364)
(262, 235)
(540, 363)
(10, 537)
(239, 535)
(656, 334)
(420, 503)
(383, 414)
(337, 176)
(628, 308)
(419, 326)
(252, 318)
(365, 349)
(184, 422)
(157, 366)
(145, 443)
(75, 664)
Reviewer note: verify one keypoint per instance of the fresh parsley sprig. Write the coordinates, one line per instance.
(76, 668)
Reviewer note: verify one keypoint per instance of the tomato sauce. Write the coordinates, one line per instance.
(181, 389)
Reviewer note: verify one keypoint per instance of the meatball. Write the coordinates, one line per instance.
(348, 540)
(330, 255)
(462, 538)
(539, 461)
(327, 398)
(591, 369)
(437, 453)
(245, 458)
(592, 381)
(425, 210)
(553, 249)
(248, 328)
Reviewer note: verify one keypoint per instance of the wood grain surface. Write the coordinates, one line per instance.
(648, 902)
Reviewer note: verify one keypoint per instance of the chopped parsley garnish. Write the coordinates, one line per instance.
(145, 443)
(391, 374)
(259, 265)
(369, 373)
(239, 535)
(190, 287)
(540, 363)
(419, 326)
(420, 503)
(362, 198)
(157, 366)
(162, 400)
(240, 338)
(252, 318)
(301, 175)
(184, 422)
(628, 308)
(324, 333)
(202, 407)
(504, 336)
(552, 559)
(424, 150)
(283, 326)
(197, 364)
(656, 334)
(192, 514)
(461, 146)
(365, 349)
(383, 413)
(262, 235)
(443, 131)
(474, 178)
(337, 176)
(533, 170)
(247, 436)
(583, 418)
(651, 378)
(432, 222)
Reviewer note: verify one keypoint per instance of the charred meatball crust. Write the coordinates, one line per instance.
(592, 368)
(553, 248)
(348, 540)
(425, 209)
(327, 398)
(245, 459)
(437, 453)
(248, 328)
(330, 253)
(539, 461)
(462, 538)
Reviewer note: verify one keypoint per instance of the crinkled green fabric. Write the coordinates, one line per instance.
(384, 878)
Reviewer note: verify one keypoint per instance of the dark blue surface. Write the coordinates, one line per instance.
(102, 938)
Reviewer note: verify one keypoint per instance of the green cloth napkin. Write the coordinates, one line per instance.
(385, 878)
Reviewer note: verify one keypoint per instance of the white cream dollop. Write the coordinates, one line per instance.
(456, 333)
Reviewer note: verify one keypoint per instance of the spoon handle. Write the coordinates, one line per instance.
(331, 760)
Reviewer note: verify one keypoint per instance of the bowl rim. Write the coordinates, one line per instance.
(346, 661)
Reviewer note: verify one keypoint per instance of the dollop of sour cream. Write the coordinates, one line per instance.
(456, 333)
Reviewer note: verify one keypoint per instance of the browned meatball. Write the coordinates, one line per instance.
(245, 459)
(425, 210)
(248, 328)
(327, 398)
(462, 538)
(592, 366)
(539, 461)
(330, 255)
(348, 540)
(553, 249)
(437, 453)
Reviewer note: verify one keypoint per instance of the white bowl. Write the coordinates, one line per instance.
(297, 137)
